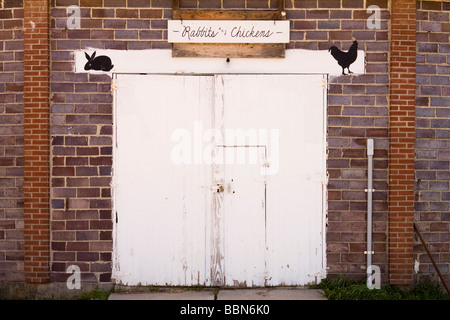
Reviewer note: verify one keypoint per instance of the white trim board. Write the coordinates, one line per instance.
(161, 61)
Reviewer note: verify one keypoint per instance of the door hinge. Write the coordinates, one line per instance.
(325, 84)
(114, 85)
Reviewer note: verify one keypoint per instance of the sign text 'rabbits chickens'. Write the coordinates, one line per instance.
(228, 31)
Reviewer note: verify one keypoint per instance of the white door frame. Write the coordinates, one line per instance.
(215, 67)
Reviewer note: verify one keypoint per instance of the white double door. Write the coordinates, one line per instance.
(219, 180)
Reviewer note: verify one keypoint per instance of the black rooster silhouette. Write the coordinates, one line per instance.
(345, 59)
(102, 63)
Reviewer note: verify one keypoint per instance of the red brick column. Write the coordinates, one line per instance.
(402, 133)
(36, 143)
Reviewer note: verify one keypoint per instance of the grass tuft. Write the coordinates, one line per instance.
(96, 294)
(340, 288)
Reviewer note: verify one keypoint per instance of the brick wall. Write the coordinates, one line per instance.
(36, 142)
(401, 141)
(432, 160)
(81, 133)
(82, 123)
(11, 141)
(358, 108)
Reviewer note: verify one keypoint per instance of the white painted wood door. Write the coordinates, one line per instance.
(244, 216)
(284, 115)
(161, 185)
(255, 215)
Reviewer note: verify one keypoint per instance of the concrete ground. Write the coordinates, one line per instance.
(221, 294)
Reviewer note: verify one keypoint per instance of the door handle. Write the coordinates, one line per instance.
(217, 188)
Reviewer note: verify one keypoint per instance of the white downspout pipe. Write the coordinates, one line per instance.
(369, 191)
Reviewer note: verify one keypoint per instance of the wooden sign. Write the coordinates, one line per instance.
(227, 49)
(228, 31)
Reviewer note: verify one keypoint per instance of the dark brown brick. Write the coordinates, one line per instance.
(305, 3)
(353, 3)
(77, 225)
(86, 171)
(77, 161)
(114, 24)
(105, 235)
(304, 24)
(150, 14)
(139, 3)
(215, 4)
(329, 24)
(88, 151)
(127, 13)
(317, 14)
(87, 256)
(101, 13)
(340, 35)
(77, 246)
(88, 192)
(235, 4)
(115, 3)
(329, 3)
(430, 5)
(100, 161)
(101, 224)
(63, 171)
(86, 235)
(76, 141)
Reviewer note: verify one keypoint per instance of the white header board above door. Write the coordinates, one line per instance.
(228, 31)
(161, 61)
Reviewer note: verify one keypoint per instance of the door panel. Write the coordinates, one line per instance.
(285, 113)
(244, 212)
(254, 215)
(161, 197)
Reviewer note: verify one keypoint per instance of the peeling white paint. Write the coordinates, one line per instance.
(269, 232)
